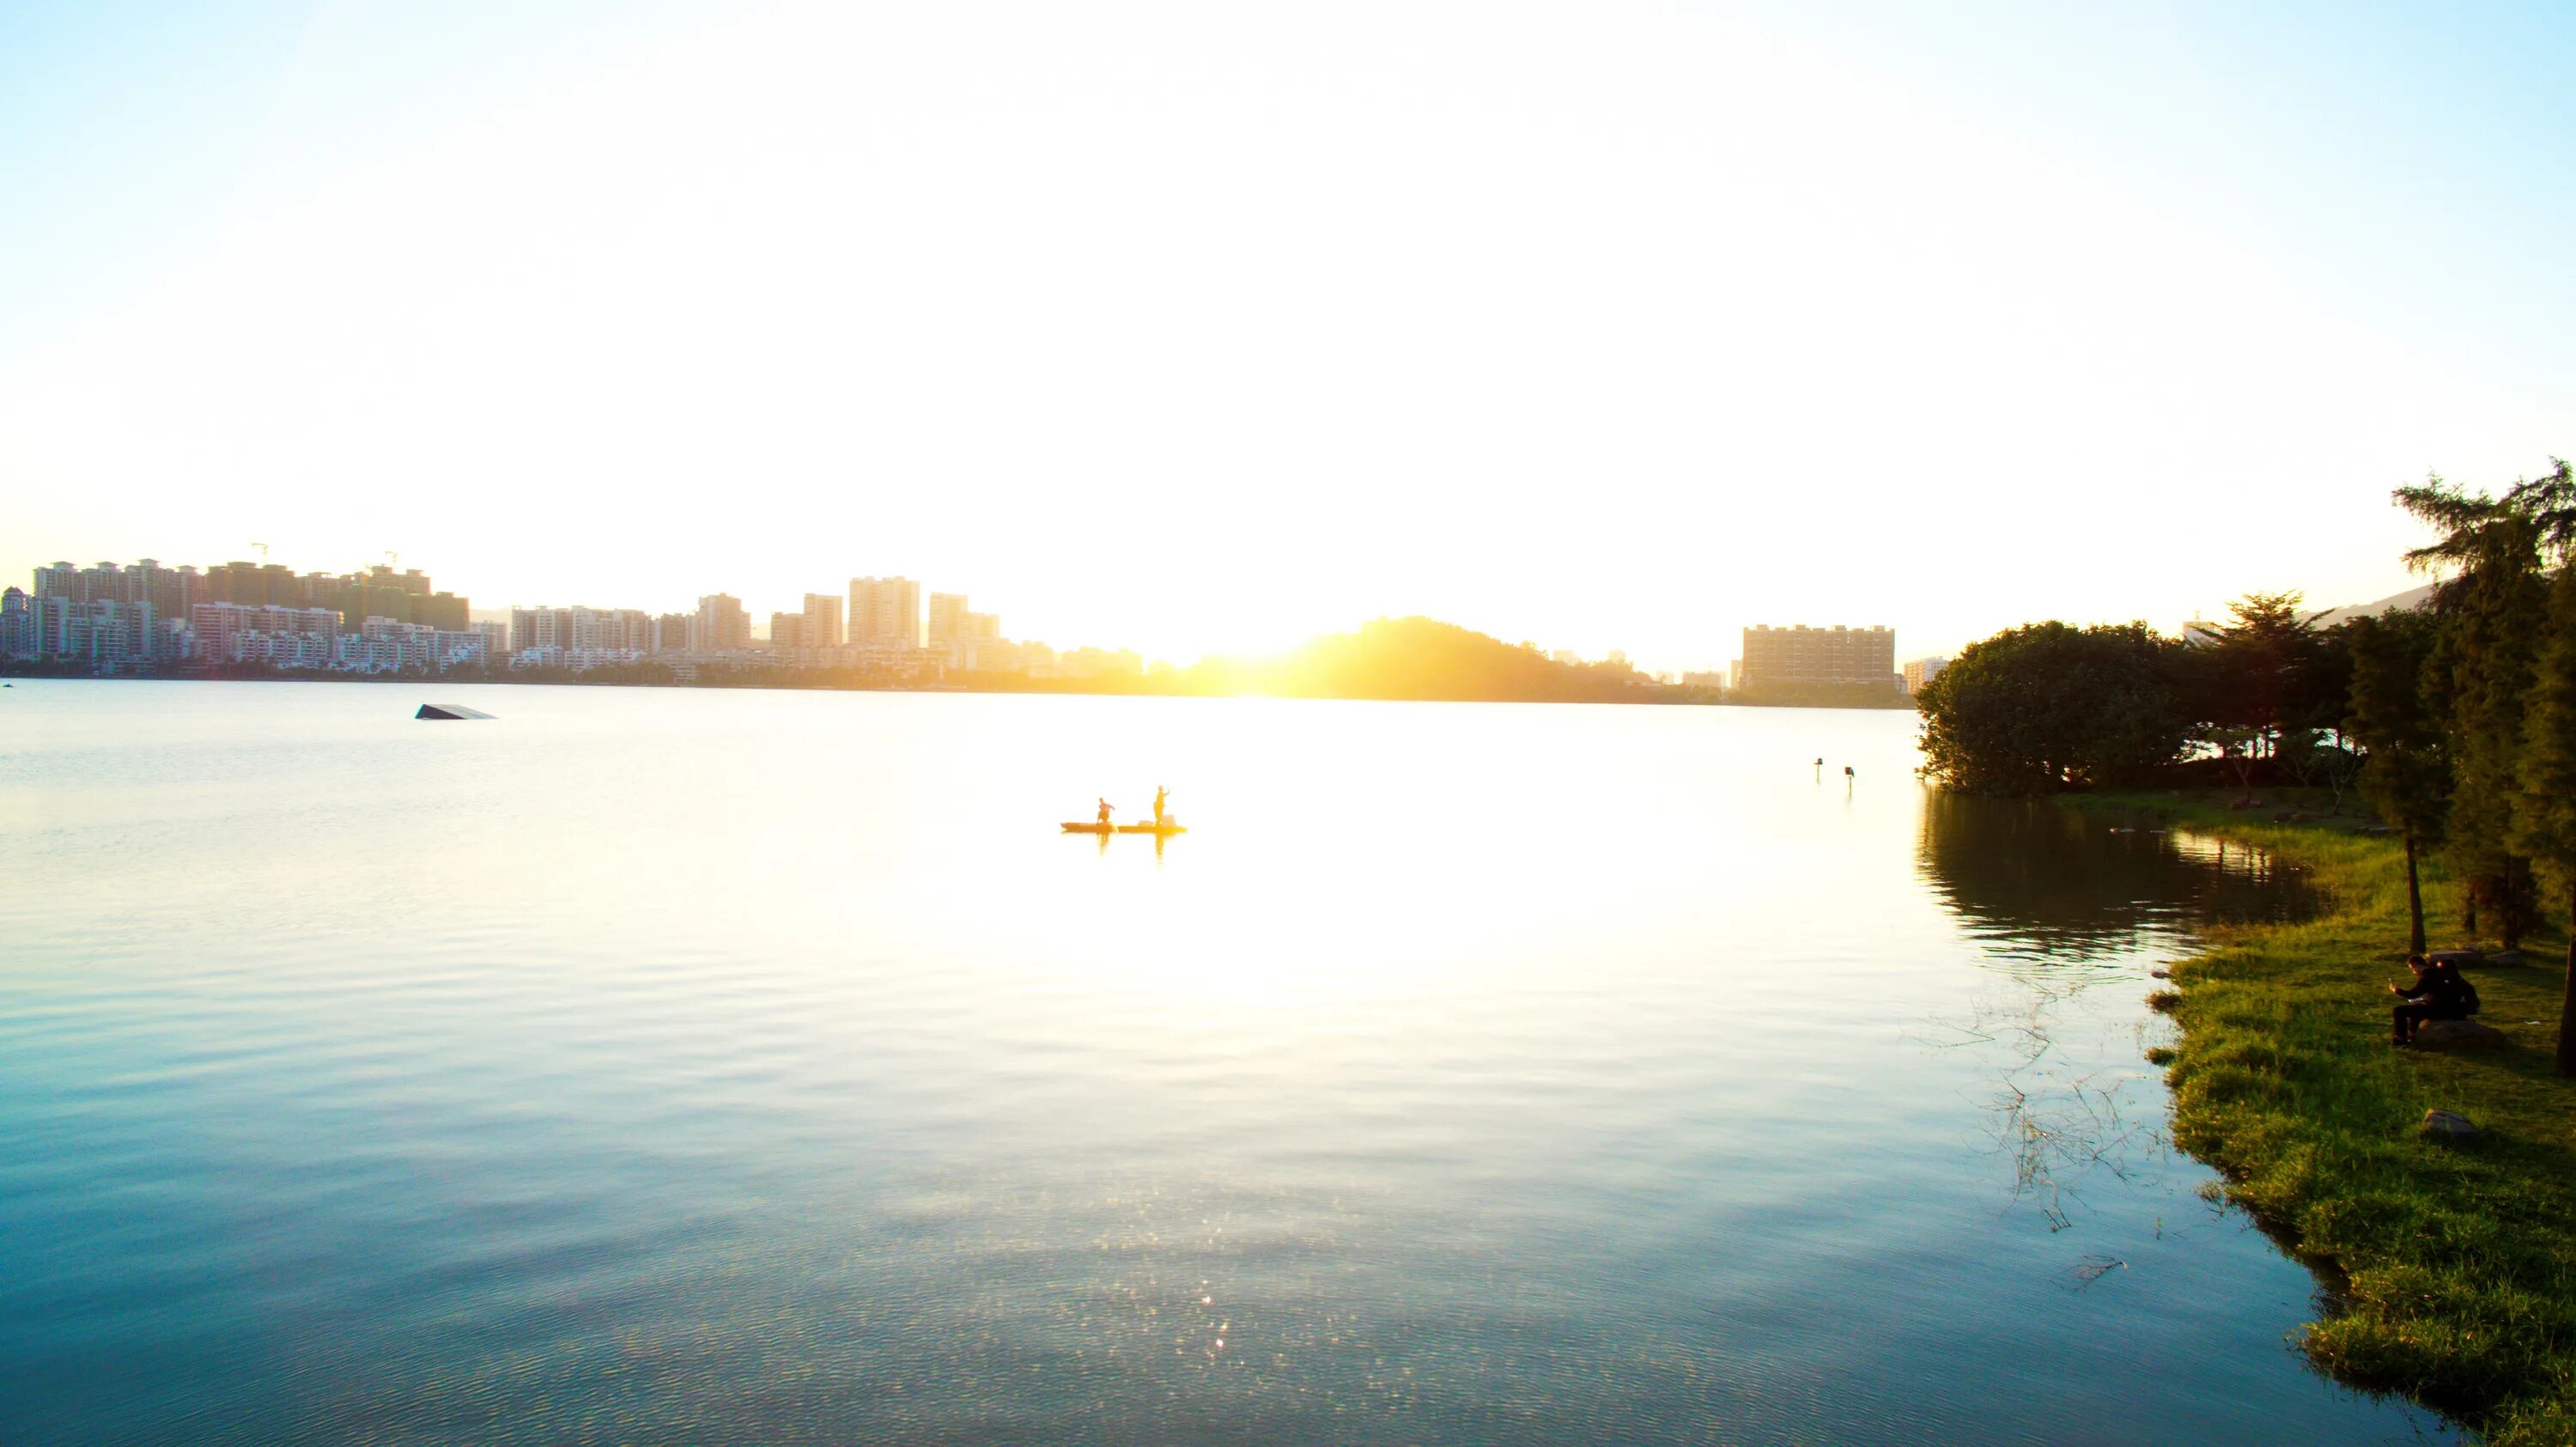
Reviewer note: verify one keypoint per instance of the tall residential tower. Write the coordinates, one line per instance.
(885, 613)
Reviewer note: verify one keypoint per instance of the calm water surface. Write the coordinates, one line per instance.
(709, 1067)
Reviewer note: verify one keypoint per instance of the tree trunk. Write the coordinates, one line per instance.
(2415, 903)
(2567, 994)
(2511, 906)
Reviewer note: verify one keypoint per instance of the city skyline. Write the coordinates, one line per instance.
(1612, 330)
(282, 614)
(1720, 655)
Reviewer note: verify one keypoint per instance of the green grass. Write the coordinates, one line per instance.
(2458, 1261)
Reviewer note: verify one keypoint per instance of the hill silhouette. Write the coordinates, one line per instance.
(1422, 658)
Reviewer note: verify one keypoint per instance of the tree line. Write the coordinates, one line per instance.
(2456, 720)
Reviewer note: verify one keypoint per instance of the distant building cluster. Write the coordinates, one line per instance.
(1798, 657)
(879, 627)
(115, 619)
(143, 617)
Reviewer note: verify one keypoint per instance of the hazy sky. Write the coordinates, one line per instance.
(1207, 326)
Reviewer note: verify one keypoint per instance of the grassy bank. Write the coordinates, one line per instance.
(2461, 1259)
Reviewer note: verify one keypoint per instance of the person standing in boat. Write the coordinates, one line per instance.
(1104, 814)
(1160, 794)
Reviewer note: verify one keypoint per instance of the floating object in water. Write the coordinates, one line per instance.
(449, 711)
(1167, 828)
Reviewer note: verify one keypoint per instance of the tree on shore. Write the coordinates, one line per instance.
(2545, 819)
(2261, 685)
(2492, 611)
(2046, 707)
(2408, 777)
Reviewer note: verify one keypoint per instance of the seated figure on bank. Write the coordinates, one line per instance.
(2439, 993)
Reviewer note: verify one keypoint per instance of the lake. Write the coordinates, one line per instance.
(766, 1067)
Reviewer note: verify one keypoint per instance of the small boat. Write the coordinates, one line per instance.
(1167, 828)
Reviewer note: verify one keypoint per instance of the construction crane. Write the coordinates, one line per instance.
(393, 560)
(263, 553)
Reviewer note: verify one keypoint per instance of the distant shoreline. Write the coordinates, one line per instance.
(783, 681)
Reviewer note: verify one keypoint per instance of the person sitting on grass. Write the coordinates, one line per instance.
(2439, 993)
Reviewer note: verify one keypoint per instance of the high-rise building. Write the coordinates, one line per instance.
(1922, 671)
(823, 620)
(62, 580)
(170, 591)
(885, 613)
(17, 624)
(109, 634)
(956, 630)
(575, 638)
(724, 625)
(787, 630)
(947, 619)
(1804, 657)
(236, 582)
(104, 583)
(671, 632)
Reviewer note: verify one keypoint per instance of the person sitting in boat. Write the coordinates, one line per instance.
(1160, 794)
(2439, 993)
(1104, 813)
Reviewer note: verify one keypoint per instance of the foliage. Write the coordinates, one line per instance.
(2261, 684)
(2545, 814)
(2491, 610)
(2408, 779)
(2047, 706)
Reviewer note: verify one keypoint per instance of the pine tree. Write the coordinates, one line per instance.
(2492, 612)
(2545, 815)
(2253, 684)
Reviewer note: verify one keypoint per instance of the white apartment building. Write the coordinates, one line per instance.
(217, 631)
(106, 633)
(558, 633)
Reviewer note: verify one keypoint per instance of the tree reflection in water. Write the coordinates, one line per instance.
(2061, 903)
(2034, 882)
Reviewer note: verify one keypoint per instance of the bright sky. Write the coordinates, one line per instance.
(1198, 326)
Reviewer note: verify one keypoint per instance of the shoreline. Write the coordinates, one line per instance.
(778, 681)
(2452, 1265)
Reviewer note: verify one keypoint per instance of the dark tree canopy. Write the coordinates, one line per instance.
(2492, 611)
(2047, 706)
(2260, 686)
(2545, 807)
